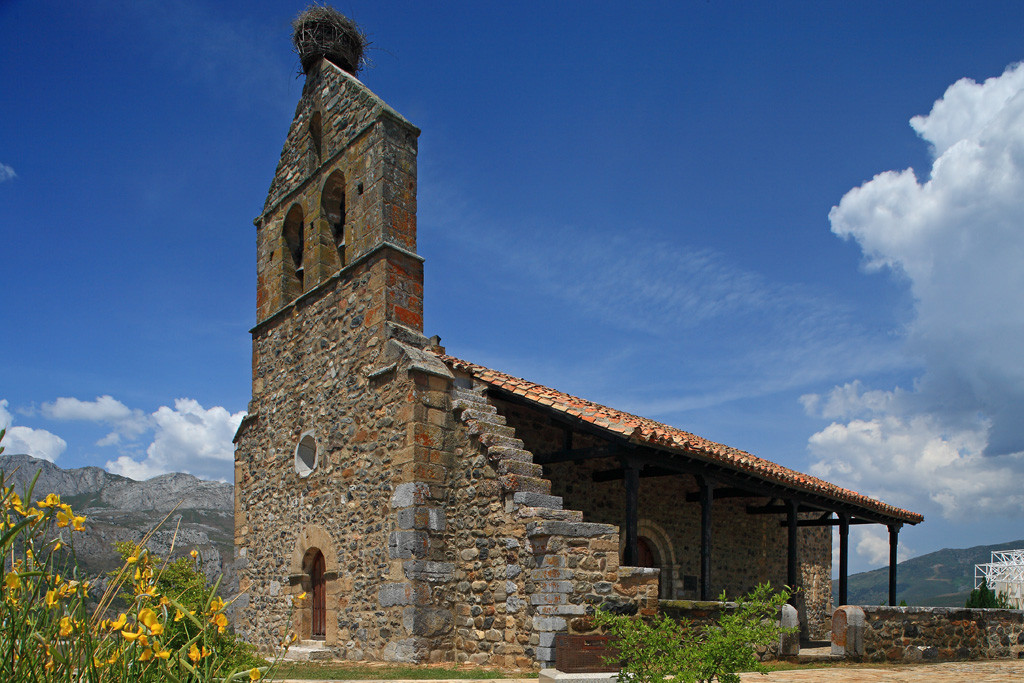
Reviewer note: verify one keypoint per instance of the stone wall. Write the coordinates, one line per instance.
(746, 549)
(524, 567)
(312, 375)
(927, 633)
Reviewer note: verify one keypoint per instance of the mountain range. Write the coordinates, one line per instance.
(943, 578)
(187, 513)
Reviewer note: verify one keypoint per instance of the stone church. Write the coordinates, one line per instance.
(397, 504)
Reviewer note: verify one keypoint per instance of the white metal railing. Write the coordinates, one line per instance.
(1004, 574)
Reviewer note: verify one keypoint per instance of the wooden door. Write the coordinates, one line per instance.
(645, 554)
(318, 630)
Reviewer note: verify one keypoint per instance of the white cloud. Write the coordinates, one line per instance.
(7, 173)
(188, 438)
(38, 443)
(873, 546)
(103, 408)
(128, 424)
(954, 441)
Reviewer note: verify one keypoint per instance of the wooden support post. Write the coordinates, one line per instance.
(844, 555)
(894, 531)
(791, 555)
(707, 495)
(631, 553)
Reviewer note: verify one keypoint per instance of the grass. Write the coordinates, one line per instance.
(349, 672)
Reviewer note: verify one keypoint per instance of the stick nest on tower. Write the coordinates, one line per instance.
(323, 32)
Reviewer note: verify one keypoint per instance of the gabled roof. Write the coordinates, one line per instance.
(642, 431)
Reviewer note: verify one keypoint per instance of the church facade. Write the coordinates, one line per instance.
(399, 504)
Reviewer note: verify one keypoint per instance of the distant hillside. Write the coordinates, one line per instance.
(943, 578)
(122, 509)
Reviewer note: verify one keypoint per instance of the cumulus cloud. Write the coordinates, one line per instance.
(874, 546)
(38, 443)
(954, 440)
(127, 423)
(7, 173)
(188, 438)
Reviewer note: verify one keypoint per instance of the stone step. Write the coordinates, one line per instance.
(518, 482)
(491, 417)
(498, 440)
(537, 514)
(463, 404)
(478, 427)
(309, 651)
(570, 529)
(469, 395)
(507, 453)
(520, 467)
(537, 500)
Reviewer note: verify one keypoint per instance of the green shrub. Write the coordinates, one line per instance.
(655, 648)
(986, 598)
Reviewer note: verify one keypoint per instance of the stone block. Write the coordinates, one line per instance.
(427, 621)
(537, 500)
(402, 594)
(789, 643)
(425, 570)
(556, 676)
(848, 625)
(549, 623)
(403, 545)
(411, 493)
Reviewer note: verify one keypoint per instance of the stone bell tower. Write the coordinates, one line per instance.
(339, 446)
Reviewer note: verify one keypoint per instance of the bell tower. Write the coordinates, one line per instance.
(345, 432)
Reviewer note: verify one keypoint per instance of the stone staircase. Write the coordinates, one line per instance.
(532, 503)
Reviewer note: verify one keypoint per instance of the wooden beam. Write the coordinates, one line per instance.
(826, 522)
(723, 492)
(894, 531)
(792, 579)
(707, 496)
(647, 471)
(577, 454)
(778, 509)
(631, 554)
(844, 556)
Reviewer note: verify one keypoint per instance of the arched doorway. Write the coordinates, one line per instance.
(645, 553)
(318, 621)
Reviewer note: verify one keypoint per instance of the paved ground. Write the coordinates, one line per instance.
(1002, 671)
(986, 672)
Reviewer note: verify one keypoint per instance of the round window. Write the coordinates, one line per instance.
(305, 455)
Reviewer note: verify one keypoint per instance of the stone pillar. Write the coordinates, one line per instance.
(848, 631)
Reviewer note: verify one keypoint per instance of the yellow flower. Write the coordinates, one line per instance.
(221, 621)
(51, 500)
(178, 615)
(193, 653)
(146, 655)
(12, 581)
(119, 624)
(57, 544)
(302, 596)
(63, 518)
(254, 674)
(132, 559)
(194, 554)
(149, 619)
(130, 636)
(216, 605)
(51, 599)
(66, 626)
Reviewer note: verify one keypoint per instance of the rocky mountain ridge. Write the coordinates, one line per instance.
(187, 513)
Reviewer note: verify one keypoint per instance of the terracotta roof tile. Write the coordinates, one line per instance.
(648, 432)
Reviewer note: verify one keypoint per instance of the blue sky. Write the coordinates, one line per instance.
(634, 205)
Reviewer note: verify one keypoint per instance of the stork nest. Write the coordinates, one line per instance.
(323, 32)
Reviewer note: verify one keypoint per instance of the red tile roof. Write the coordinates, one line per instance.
(641, 430)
